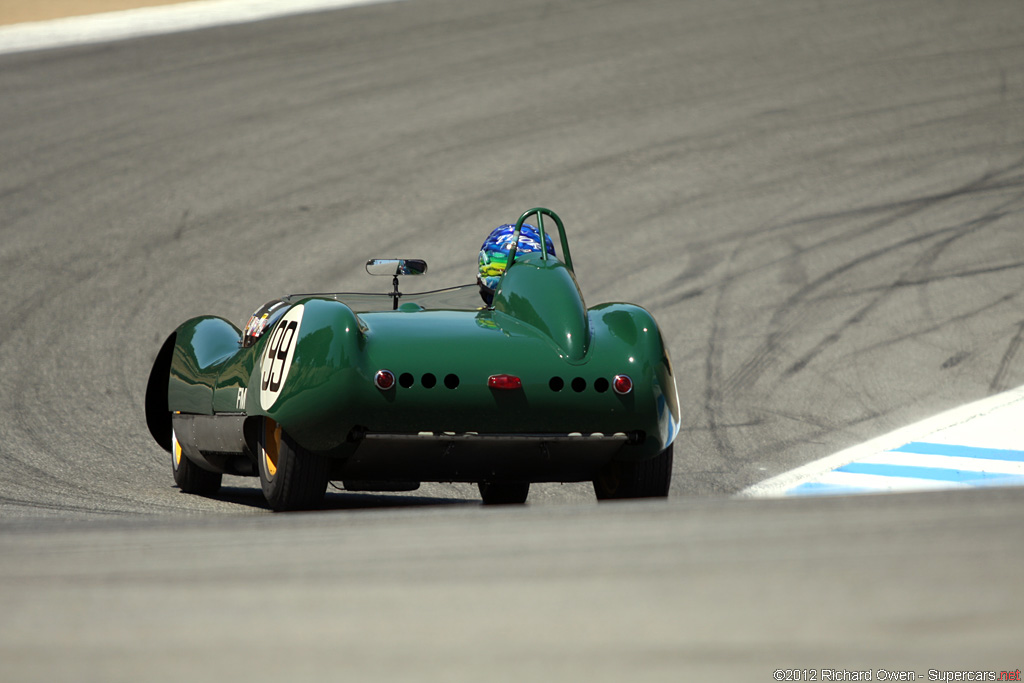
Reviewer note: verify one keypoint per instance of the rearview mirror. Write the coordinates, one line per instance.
(396, 266)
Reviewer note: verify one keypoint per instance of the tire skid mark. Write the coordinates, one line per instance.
(713, 370)
(927, 259)
(791, 315)
(932, 279)
(991, 181)
(953, 320)
(1013, 348)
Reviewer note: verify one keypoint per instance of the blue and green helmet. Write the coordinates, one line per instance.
(495, 249)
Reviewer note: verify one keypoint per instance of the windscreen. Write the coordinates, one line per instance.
(462, 298)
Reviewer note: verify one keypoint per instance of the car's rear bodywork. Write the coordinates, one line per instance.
(394, 390)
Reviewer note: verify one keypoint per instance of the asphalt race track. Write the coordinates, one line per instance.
(822, 202)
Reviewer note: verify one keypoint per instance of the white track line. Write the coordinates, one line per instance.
(996, 422)
(147, 21)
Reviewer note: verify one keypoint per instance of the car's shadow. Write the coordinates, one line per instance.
(339, 499)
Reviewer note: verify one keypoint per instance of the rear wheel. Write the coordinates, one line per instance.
(504, 492)
(292, 478)
(644, 479)
(190, 477)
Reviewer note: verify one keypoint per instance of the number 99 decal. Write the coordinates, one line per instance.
(277, 356)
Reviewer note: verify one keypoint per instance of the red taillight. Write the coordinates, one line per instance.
(384, 380)
(622, 384)
(504, 382)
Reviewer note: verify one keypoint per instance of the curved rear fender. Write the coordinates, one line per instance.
(202, 345)
(326, 371)
(632, 330)
(668, 399)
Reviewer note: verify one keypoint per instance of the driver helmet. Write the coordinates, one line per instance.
(494, 254)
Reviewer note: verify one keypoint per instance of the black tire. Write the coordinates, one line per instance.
(158, 415)
(504, 492)
(644, 479)
(292, 478)
(190, 477)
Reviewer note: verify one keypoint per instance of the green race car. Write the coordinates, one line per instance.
(505, 382)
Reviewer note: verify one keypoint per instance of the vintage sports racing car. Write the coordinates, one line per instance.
(504, 382)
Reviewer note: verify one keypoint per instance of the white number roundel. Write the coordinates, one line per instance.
(277, 356)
